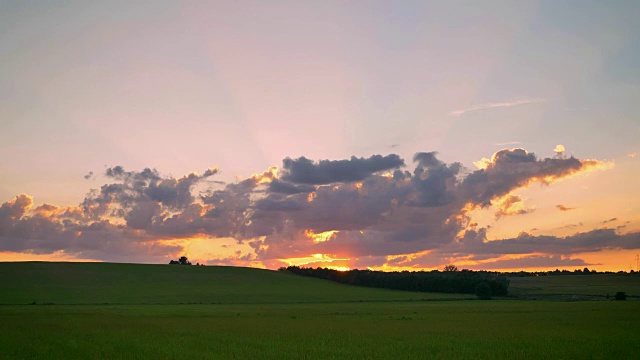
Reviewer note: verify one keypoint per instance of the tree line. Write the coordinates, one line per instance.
(464, 282)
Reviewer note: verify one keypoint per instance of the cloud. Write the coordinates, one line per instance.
(89, 175)
(345, 209)
(508, 143)
(505, 104)
(590, 241)
(283, 187)
(632, 155)
(511, 205)
(564, 208)
(305, 171)
(535, 261)
(559, 150)
(508, 170)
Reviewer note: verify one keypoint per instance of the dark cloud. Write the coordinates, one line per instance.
(305, 171)
(275, 204)
(434, 181)
(89, 175)
(283, 187)
(594, 240)
(564, 208)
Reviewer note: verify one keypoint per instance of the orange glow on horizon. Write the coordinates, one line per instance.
(341, 268)
(9, 256)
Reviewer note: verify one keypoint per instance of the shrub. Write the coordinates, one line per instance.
(483, 291)
(620, 295)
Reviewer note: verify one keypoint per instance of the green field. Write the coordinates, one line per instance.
(240, 313)
(105, 283)
(575, 287)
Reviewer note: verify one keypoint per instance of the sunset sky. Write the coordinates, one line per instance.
(393, 135)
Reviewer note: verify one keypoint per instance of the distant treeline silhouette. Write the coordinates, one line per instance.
(183, 261)
(555, 272)
(464, 282)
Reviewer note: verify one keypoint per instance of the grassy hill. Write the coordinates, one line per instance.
(109, 283)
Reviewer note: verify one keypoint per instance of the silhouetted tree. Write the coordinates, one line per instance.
(174, 262)
(483, 291)
(450, 267)
(620, 295)
(184, 261)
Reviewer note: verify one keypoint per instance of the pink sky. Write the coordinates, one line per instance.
(470, 90)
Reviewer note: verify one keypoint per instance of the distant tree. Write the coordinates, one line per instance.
(586, 271)
(620, 295)
(184, 261)
(483, 291)
(173, 262)
(450, 267)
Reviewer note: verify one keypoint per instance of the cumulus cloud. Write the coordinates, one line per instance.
(366, 210)
(305, 171)
(559, 150)
(508, 170)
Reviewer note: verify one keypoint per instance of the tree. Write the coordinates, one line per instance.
(184, 261)
(483, 291)
(450, 268)
(620, 295)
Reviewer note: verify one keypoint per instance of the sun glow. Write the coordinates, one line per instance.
(340, 268)
(320, 237)
(311, 196)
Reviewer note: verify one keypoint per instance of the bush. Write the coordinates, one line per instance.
(620, 295)
(483, 291)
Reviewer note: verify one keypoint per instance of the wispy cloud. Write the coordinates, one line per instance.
(632, 155)
(508, 143)
(564, 208)
(504, 104)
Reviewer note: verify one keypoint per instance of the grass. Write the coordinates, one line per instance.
(415, 330)
(169, 312)
(106, 283)
(575, 287)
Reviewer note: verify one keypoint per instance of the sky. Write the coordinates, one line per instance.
(400, 135)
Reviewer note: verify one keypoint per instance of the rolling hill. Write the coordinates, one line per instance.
(111, 283)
